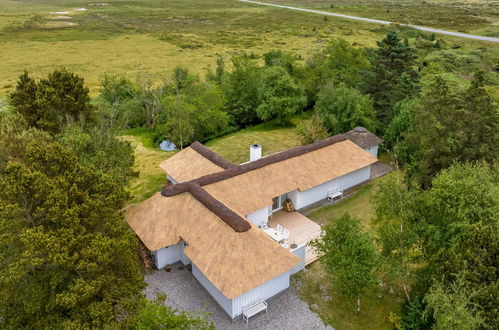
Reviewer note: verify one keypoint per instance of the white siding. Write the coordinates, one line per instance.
(170, 254)
(167, 255)
(293, 196)
(373, 150)
(222, 300)
(300, 252)
(264, 291)
(319, 192)
(259, 217)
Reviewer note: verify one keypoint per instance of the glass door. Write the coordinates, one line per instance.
(277, 202)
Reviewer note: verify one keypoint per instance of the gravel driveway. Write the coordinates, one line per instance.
(183, 291)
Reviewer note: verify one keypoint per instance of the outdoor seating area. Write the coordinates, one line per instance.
(278, 234)
(300, 229)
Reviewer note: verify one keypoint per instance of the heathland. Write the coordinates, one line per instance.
(131, 37)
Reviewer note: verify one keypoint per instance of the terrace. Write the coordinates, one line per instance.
(301, 230)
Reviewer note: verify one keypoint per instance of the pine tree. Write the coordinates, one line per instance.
(392, 77)
(481, 138)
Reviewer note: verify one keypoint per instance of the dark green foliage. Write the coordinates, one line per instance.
(342, 108)
(68, 259)
(451, 307)
(481, 137)
(285, 60)
(392, 77)
(413, 315)
(54, 102)
(450, 124)
(338, 63)
(240, 89)
(280, 96)
(453, 229)
(102, 150)
(349, 255)
(155, 315)
(194, 112)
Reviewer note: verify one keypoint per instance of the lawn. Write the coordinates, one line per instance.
(234, 147)
(272, 136)
(339, 311)
(317, 289)
(147, 159)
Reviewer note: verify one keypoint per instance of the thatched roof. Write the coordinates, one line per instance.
(362, 137)
(254, 189)
(194, 162)
(234, 262)
(208, 212)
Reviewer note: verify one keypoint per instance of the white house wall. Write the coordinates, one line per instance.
(264, 291)
(222, 300)
(293, 197)
(170, 255)
(167, 255)
(318, 193)
(373, 150)
(259, 217)
(300, 252)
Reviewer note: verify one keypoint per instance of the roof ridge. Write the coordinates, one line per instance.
(247, 167)
(227, 215)
(211, 155)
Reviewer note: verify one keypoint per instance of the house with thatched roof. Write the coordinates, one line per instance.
(237, 226)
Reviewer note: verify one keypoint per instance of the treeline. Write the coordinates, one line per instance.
(68, 260)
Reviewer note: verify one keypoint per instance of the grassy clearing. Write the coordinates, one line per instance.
(273, 138)
(318, 290)
(234, 147)
(147, 159)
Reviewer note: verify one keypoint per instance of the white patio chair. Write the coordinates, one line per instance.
(279, 228)
(285, 232)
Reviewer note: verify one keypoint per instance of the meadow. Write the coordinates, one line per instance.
(132, 37)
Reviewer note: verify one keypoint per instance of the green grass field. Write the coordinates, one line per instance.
(129, 37)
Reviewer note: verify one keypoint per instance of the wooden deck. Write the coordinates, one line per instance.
(301, 230)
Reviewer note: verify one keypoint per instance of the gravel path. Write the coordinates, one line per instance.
(183, 291)
(422, 28)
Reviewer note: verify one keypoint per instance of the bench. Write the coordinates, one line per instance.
(254, 308)
(333, 193)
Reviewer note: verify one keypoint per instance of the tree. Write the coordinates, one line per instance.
(392, 75)
(277, 57)
(102, 150)
(436, 133)
(180, 126)
(343, 108)
(150, 95)
(338, 62)
(349, 255)
(394, 207)
(240, 89)
(280, 95)
(63, 239)
(53, 102)
(311, 130)
(451, 307)
(438, 139)
(156, 315)
(481, 140)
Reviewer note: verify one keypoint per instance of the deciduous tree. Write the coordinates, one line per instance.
(280, 95)
(342, 108)
(349, 255)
